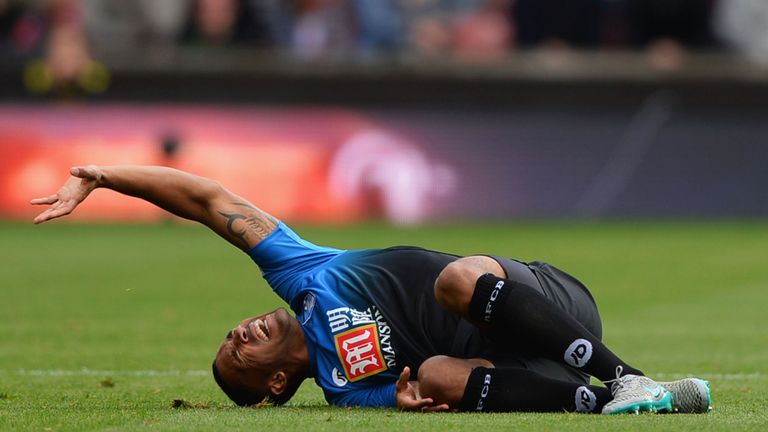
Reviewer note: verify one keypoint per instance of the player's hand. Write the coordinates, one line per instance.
(409, 400)
(82, 182)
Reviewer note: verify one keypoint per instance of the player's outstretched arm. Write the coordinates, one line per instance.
(183, 194)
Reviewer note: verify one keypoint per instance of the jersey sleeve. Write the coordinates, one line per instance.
(286, 261)
(382, 396)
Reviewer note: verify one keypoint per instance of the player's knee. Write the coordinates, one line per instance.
(444, 378)
(440, 380)
(455, 285)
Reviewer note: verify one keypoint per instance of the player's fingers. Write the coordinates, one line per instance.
(50, 199)
(55, 212)
(411, 405)
(436, 408)
(402, 382)
(86, 172)
(42, 217)
(420, 404)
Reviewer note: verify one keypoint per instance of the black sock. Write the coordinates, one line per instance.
(517, 389)
(542, 327)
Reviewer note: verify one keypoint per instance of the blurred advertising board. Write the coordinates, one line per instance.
(320, 165)
(405, 164)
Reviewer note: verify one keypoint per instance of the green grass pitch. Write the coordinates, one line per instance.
(103, 327)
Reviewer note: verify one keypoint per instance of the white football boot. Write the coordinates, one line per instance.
(689, 395)
(635, 394)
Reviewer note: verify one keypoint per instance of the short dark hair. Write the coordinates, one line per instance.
(238, 395)
(243, 397)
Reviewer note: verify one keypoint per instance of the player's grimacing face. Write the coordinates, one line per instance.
(255, 347)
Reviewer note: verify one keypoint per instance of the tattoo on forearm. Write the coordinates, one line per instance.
(256, 222)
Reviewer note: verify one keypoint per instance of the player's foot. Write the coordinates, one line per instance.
(635, 393)
(689, 395)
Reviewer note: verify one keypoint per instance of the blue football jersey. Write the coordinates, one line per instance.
(365, 314)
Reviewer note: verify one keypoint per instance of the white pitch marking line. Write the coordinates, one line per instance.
(101, 372)
(711, 376)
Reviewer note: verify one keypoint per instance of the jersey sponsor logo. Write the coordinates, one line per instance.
(344, 317)
(346, 321)
(578, 353)
(385, 334)
(360, 352)
(585, 400)
(494, 296)
(338, 378)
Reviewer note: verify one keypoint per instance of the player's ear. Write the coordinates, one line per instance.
(278, 382)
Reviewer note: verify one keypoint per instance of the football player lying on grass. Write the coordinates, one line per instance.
(399, 327)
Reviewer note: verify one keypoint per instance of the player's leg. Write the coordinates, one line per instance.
(477, 289)
(475, 385)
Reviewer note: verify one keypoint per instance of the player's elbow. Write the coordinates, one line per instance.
(205, 196)
(209, 193)
(209, 190)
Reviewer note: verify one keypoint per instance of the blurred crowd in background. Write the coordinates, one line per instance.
(72, 37)
(649, 107)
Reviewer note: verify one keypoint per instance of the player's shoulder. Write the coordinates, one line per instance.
(284, 257)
